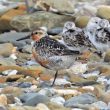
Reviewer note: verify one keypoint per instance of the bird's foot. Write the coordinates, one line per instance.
(99, 53)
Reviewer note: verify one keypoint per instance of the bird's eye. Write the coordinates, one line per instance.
(96, 22)
(36, 32)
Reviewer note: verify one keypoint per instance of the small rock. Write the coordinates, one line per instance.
(3, 107)
(3, 99)
(24, 85)
(7, 17)
(60, 81)
(12, 78)
(100, 105)
(66, 92)
(62, 7)
(78, 69)
(103, 11)
(54, 106)
(41, 106)
(7, 61)
(106, 97)
(39, 19)
(47, 92)
(27, 49)
(10, 99)
(55, 31)
(17, 108)
(12, 90)
(7, 51)
(86, 98)
(10, 37)
(32, 99)
(9, 72)
(58, 100)
(82, 21)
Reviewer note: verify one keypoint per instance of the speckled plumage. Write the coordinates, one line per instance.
(75, 37)
(99, 34)
(57, 55)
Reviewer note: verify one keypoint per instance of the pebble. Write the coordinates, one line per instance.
(24, 85)
(60, 81)
(59, 100)
(32, 99)
(42, 106)
(100, 105)
(3, 99)
(9, 72)
(86, 98)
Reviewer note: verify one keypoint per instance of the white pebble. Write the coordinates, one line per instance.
(59, 100)
(60, 81)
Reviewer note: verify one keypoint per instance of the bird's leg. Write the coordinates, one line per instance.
(54, 78)
(27, 5)
(99, 53)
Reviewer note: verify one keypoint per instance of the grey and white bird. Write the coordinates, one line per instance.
(75, 37)
(98, 32)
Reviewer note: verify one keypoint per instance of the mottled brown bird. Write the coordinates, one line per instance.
(51, 53)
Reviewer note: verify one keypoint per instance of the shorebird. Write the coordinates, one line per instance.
(75, 37)
(50, 53)
(98, 31)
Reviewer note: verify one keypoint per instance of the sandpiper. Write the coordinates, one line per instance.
(50, 53)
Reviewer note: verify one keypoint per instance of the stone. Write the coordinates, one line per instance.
(78, 68)
(82, 21)
(54, 106)
(55, 31)
(3, 99)
(15, 91)
(10, 99)
(78, 80)
(7, 17)
(27, 49)
(107, 56)
(7, 61)
(41, 106)
(60, 81)
(12, 78)
(32, 99)
(39, 19)
(86, 98)
(59, 100)
(12, 37)
(24, 85)
(63, 92)
(60, 6)
(6, 5)
(106, 97)
(3, 107)
(9, 72)
(17, 108)
(47, 92)
(104, 70)
(103, 11)
(2, 79)
(7, 51)
(100, 105)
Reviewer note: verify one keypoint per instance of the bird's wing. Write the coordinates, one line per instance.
(52, 47)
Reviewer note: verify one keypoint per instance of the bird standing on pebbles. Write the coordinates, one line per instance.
(50, 53)
(75, 38)
(98, 31)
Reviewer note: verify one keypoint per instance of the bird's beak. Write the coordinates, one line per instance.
(26, 37)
